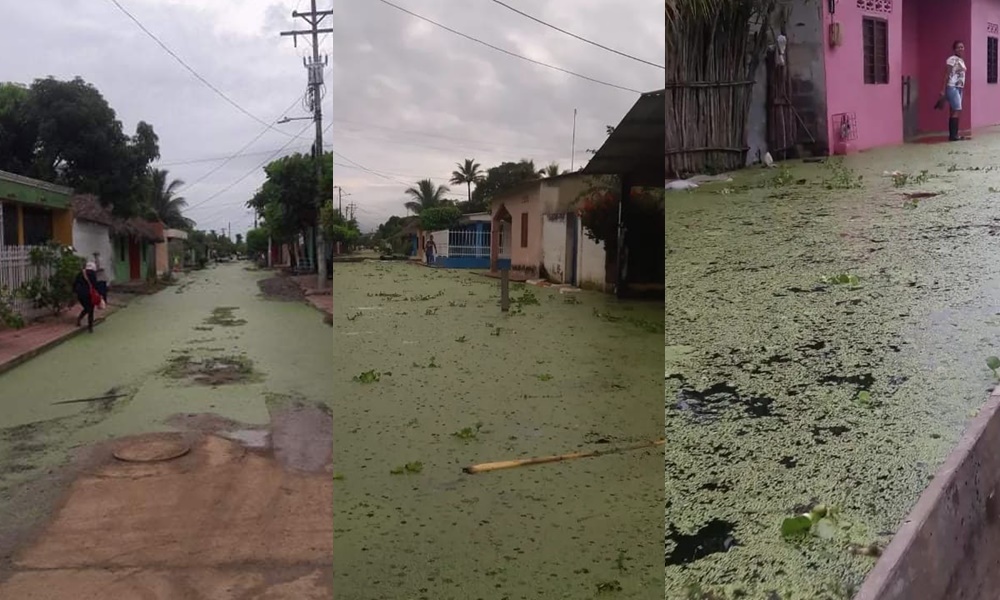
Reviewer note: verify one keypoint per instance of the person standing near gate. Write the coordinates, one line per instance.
(430, 249)
(954, 88)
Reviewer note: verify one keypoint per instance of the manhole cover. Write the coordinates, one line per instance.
(152, 450)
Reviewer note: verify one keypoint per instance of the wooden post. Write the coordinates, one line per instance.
(504, 290)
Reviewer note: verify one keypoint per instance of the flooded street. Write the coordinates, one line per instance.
(826, 343)
(208, 358)
(431, 377)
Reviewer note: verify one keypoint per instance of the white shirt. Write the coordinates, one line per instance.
(956, 73)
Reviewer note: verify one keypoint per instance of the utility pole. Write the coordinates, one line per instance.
(315, 68)
(572, 152)
(350, 210)
(340, 199)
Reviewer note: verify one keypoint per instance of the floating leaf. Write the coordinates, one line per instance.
(993, 363)
(795, 527)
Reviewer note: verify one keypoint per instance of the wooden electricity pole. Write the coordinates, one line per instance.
(315, 68)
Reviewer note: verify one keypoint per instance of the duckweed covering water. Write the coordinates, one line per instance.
(471, 385)
(767, 363)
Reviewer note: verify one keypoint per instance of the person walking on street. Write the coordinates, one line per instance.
(430, 248)
(954, 88)
(85, 288)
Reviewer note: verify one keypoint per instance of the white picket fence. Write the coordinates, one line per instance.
(15, 270)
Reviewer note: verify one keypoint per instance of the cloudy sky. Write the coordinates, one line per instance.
(405, 99)
(411, 99)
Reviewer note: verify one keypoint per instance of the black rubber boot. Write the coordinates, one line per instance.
(953, 129)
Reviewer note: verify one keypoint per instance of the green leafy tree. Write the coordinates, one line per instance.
(425, 195)
(256, 242)
(164, 203)
(499, 179)
(439, 217)
(65, 132)
(468, 173)
(16, 134)
(551, 171)
(337, 228)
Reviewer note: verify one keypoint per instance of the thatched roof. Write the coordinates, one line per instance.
(87, 207)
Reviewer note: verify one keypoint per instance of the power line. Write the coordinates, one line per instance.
(573, 35)
(250, 172)
(508, 52)
(373, 172)
(195, 73)
(194, 161)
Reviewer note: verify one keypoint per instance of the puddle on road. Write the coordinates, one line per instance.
(558, 378)
(785, 388)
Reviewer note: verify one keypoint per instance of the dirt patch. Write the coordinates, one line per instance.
(130, 530)
(212, 370)
(223, 317)
(281, 287)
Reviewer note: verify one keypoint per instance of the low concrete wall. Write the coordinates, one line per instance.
(947, 548)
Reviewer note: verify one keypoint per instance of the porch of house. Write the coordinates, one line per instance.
(32, 213)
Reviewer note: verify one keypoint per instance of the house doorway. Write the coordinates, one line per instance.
(134, 259)
(500, 233)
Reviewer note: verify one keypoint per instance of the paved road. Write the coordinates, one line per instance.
(221, 519)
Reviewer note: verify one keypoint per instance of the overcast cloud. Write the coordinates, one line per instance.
(410, 99)
(407, 99)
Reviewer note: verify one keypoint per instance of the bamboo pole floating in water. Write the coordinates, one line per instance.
(510, 464)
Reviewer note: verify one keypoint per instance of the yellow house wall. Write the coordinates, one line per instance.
(62, 227)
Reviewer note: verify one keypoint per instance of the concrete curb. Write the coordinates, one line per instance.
(30, 354)
(947, 546)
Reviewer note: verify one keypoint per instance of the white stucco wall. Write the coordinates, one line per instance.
(554, 247)
(90, 238)
(590, 268)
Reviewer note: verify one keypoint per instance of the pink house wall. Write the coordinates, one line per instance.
(878, 108)
(984, 97)
(938, 25)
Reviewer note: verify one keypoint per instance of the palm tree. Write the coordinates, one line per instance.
(164, 203)
(550, 171)
(425, 195)
(467, 173)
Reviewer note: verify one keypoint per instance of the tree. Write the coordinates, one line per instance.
(425, 195)
(336, 228)
(499, 179)
(551, 171)
(164, 203)
(65, 132)
(437, 218)
(256, 242)
(468, 173)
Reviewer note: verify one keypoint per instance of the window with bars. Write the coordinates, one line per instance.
(524, 230)
(991, 59)
(876, 50)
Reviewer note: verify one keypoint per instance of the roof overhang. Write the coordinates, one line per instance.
(17, 188)
(635, 150)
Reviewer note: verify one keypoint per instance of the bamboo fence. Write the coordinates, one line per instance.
(713, 48)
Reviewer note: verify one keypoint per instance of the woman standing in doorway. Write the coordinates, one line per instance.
(954, 88)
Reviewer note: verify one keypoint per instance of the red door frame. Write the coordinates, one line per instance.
(134, 259)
